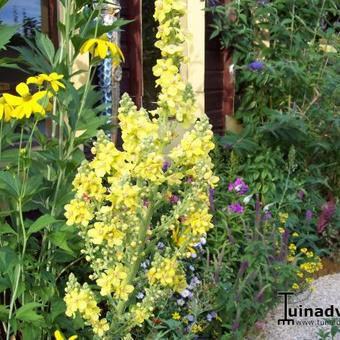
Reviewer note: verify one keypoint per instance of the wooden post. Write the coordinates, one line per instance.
(133, 50)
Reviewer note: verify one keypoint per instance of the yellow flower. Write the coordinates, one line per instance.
(140, 314)
(327, 48)
(303, 250)
(78, 212)
(27, 103)
(99, 47)
(196, 328)
(281, 230)
(295, 286)
(295, 234)
(176, 316)
(5, 110)
(283, 217)
(299, 274)
(309, 254)
(60, 336)
(52, 78)
(309, 280)
(168, 274)
(292, 248)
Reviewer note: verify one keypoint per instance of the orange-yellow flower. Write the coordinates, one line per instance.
(99, 47)
(25, 104)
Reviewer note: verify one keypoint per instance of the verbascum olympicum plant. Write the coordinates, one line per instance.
(126, 202)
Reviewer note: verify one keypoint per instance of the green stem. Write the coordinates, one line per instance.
(20, 145)
(1, 128)
(20, 269)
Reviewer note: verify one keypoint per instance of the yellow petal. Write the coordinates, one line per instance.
(60, 84)
(87, 45)
(58, 335)
(23, 90)
(12, 100)
(102, 49)
(56, 76)
(2, 110)
(37, 108)
(32, 80)
(19, 112)
(73, 337)
(39, 95)
(55, 86)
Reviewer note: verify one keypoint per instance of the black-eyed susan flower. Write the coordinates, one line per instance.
(99, 47)
(26, 103)
(53, 79)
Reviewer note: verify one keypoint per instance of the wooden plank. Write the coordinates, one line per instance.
(52, 22)
(219, 82)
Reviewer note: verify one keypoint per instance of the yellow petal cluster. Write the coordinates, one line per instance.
(167, 273)
(81, 299)
(115, 280)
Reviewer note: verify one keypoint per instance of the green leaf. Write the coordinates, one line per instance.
(3, 3)
(4, 283)
(4, 313)
(59, 238)
(41, 223)
(27, 313)
(6, 229)
(29, 332)
(8, 259)
(6, 33)
(45, 46)
(10, 184)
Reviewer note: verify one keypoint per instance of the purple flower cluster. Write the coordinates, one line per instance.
(211, 316)
(309, 215)
(188, 292)
(239, 186)
(236, 208)
(166, 166)
(174, 199)
(256, 66)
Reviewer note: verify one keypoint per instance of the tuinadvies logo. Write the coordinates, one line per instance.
(293, 312)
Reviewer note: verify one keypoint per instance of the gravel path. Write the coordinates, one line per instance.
(326, 293)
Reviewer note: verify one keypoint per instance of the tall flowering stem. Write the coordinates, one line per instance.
(154, 190)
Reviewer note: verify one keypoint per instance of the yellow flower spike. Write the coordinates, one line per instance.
(99, 47)
(25, 104)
